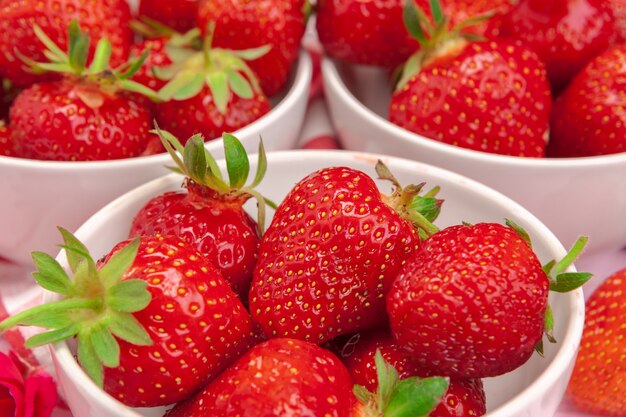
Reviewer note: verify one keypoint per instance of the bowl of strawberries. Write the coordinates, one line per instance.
(83, 85)
(492, 90)
(320, 282)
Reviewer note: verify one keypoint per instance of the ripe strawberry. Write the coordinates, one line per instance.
(179, 15)
(487, 96)
(566, 34)
(243, 24)
(6, 142)
(596, 385)
(618, 7)
(210, 92)
(473, 300)
(210, 214)
(154, 320)
(86, 115)
(464, 397)
(587, 119)
(329, 256)
(290, 377)
(345, 27)
(101, 19)
(276, 377)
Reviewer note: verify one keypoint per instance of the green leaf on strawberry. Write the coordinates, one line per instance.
(74, 61)
(94, 307)
(409, 397)
(201, 169)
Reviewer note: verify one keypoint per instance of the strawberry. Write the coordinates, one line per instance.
(6, 142)
(86, 115)
(243, 24)
(464, 397)
(566, 34)
(618, 7)
(596, 385)
(209, 92)
(210, 214)
(345, 27)
(473, 300)
(295, 378)
(101, 19)
(490, 96)
(329, 256)
(179, 15)
(587, 119)
(154, 320)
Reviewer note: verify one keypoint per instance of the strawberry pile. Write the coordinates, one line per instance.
(351, 303)
(528, 78)
(84, 80)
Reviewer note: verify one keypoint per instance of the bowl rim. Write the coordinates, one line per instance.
(333, 81)
(299, 88)
(564, 354)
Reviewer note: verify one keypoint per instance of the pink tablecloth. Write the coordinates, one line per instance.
(18, 290)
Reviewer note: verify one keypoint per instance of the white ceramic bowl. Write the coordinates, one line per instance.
(575, 196)
(535, 389)
(39, 195)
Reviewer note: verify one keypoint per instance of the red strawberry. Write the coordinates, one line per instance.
(566, 34)
(596, 386)
(276, 377)
(346, 27)
(6, 142)
(587, 119)
(290, 377)
(157, 57)
(618, 7)
(243, 24)
(179, 15)
(210, 92)
(463, 397)
(154, 320)
(472, 301)
(86, 115)
(486, 96)
(101, 19)
(330, 254)
(210, 214)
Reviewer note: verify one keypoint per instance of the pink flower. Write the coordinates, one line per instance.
(25, 391)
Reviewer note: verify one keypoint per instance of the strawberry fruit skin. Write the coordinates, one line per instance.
(471, 302)
(566, 34)
(277, 377)
(51, 121)
(200, 114)
(100, 18)
(599, 376)
(217, 226)
(328, 258)
(6, 142)
(587, 119)
(487, 96)
(196, 322)
(179, 15)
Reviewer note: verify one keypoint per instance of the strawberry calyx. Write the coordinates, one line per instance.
(95, 308)
(436, 39)
(395, 397)
(223, 71)
(560, 281)
(420, 210)
(98, 75)
(204, 178)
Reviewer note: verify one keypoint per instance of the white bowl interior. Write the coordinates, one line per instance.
(534, 389)
(40, 195)
(572, 196)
